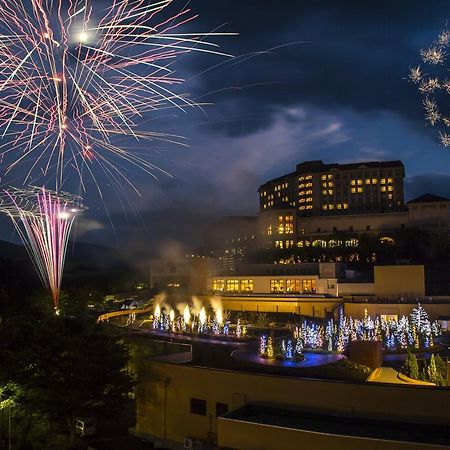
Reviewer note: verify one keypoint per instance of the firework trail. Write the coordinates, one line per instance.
(435, 87)
(74, 79)
(43, 220)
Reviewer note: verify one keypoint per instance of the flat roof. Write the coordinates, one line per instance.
(341, 425)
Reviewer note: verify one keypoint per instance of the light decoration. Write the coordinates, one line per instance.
(165, 319)
(43, 220)
(78, 77)
(394, 334)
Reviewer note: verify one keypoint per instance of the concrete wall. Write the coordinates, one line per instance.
(399, 281)
(356, 310)
(163, 399)
(254, 436)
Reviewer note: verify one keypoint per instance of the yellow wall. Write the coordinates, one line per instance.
(163, 398)
(317, 307)
(400, 281)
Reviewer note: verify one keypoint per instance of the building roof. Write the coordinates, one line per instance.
(429, 198)
(318, 166)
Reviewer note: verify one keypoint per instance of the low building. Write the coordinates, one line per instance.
(250, 411)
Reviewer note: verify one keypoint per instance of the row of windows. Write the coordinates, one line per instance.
(276, 285)
(281, 186)
(284, 244)
(331, 243)
(302, 208)
(329, 177)
(306, 177)
(305, 286)
(337, 206)
(233, 285)
(307, 192)
(305, 185)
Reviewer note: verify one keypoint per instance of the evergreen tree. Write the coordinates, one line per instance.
(411, 365)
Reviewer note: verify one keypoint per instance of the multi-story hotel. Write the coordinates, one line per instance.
(316, 189)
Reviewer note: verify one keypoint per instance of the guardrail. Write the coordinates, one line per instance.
(123, 312)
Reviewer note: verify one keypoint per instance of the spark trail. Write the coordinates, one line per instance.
(76, 78)
(43, 220)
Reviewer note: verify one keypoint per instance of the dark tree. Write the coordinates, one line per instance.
(65, 367)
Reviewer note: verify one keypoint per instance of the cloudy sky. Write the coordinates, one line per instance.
(310, 80)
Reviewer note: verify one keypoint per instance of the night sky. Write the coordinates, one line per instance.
(310, 80)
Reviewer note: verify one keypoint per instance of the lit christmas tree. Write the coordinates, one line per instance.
(289, 354)
(263, 345)
(270, 350)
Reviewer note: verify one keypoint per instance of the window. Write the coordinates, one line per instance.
(309, 286)
(221, 409)
(246, 285)
(293, 286)
(232, 285)
(269, 230)
(276, 285)
(198, 406)
(218, 285)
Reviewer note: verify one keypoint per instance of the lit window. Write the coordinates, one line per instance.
(339, 206)
(353, 190)
(383, 189)
(309, 286)
(367, 180)
(232, 285)
(330, 184)
(390, 188)
(246, 285)
(359, 182)
(390, 180)
(330, 191)
(309, 200)
(218, 285)
(324, 177)
(345, 205)
(301, 178)
(330, 206)
(301, 193)
(360, 189)
(308, 185)
(279, 244)
(390, 196)
(353, 182)
(276, 285)
(293, 285)
(269, 230)
(383, 181)
(308, 177)
(330, 177)
(309, 207)
(324, 192)
(374, 180)
(289, 244)
(324, 207)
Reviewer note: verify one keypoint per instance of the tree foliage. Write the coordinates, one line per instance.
(66, 367)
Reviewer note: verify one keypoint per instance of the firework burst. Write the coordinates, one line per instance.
(435, 87)
(43, 219)
(75, 78)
